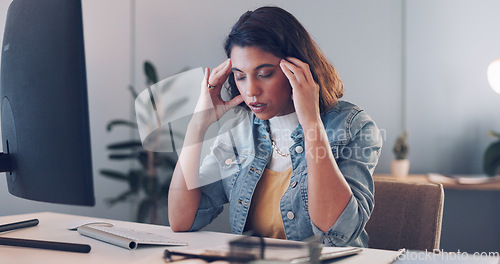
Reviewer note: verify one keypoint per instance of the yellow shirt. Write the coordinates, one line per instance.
(264, 216)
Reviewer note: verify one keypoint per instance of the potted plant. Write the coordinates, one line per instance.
(491, 161)
(400, 166)
(148, 182)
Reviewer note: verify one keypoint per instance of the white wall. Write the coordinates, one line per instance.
(450, 103)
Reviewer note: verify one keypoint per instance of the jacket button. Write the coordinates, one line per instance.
(299, 149)
(228, 161)
(290, 215)
(294, 184)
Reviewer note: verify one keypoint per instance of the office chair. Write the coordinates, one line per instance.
(406, 215)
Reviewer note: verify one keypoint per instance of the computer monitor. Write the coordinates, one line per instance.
(44, 106)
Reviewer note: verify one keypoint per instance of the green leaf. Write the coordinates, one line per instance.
(143, 159)
(132, 91)
(491, 162)
(121, 122)
(165, 133)
(150, 71)
(114, 174)
(401, 146)
(164, 160)
(135, 178)
(120, 198)
(144, 210)
(123, 156)
(151, 186)
(125, 145)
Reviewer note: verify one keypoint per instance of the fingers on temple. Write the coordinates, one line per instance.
(302, 69)
(292, 72)
(220, 73)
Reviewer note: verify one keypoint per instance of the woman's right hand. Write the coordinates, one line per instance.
(210, 106)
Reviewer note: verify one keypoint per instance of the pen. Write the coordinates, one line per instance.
(18, 225)
(17, 242)
(61, 246)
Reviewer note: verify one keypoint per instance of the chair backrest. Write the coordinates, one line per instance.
(406, 215)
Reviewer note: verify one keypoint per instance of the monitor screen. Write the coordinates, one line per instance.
(44, 106)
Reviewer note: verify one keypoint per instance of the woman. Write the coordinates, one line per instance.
(294, 162)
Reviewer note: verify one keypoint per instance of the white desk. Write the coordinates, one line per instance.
(53, 226)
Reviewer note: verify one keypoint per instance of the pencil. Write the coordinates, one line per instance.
(18, 225)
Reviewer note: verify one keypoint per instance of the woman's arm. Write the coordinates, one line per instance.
(325, 180)
(328, 191)
(184, 193)
(183, 201)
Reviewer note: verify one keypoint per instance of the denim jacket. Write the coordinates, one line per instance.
(242, 150)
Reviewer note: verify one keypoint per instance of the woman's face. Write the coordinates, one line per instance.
(261, 82)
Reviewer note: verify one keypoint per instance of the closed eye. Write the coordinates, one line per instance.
(240, 78)
(265, 75)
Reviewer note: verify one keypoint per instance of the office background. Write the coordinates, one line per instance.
(418, 65)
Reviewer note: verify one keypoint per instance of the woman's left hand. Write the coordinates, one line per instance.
(305, 91)
(325, 181)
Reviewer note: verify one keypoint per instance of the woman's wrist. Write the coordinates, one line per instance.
(200, 121)
(195, 132)
(312, 126)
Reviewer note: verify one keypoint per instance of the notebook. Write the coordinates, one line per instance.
(271, 256)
